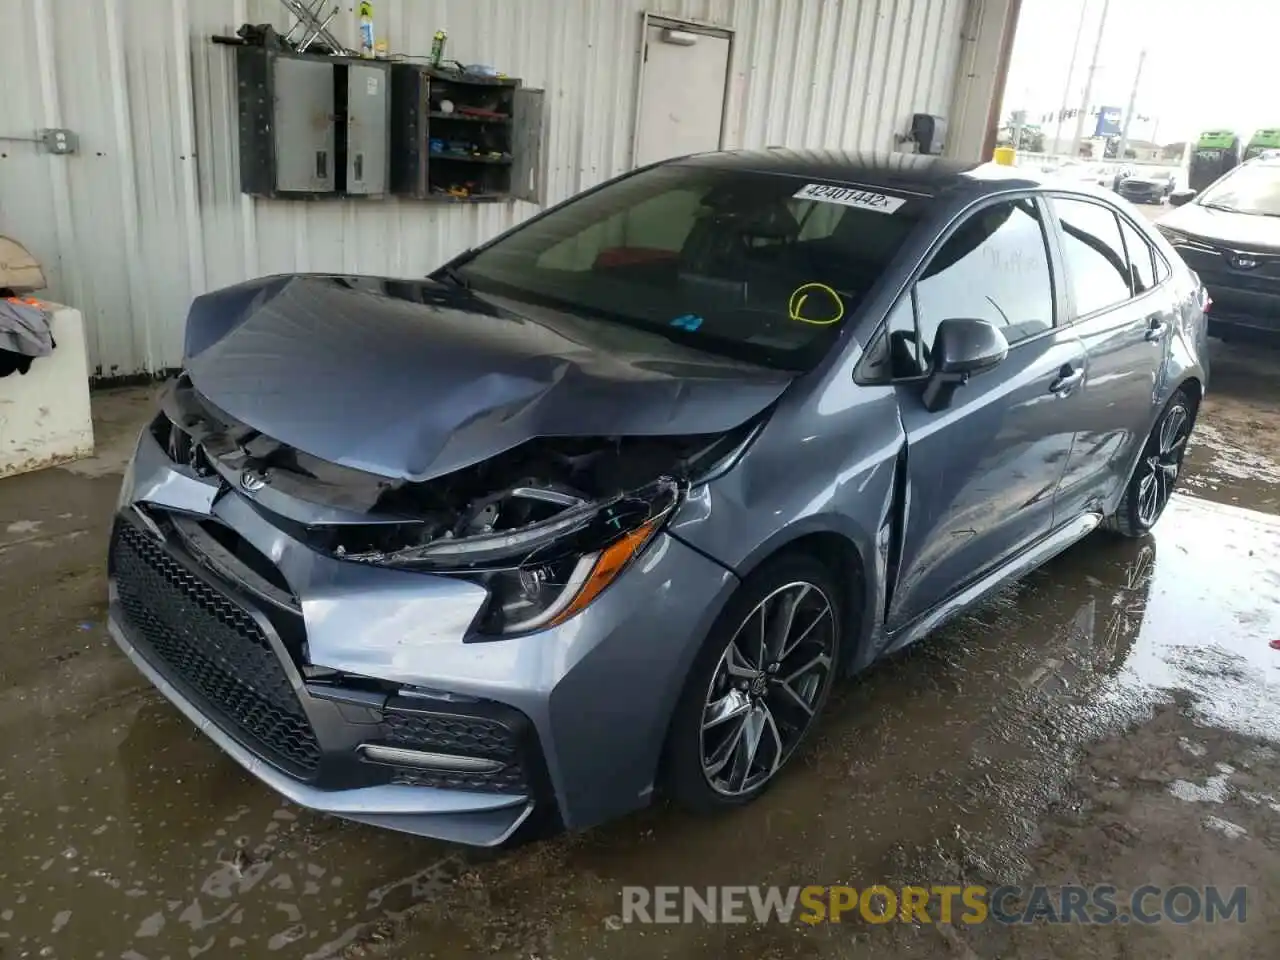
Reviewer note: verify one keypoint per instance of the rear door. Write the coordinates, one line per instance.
(983, 472)
(1124, 315)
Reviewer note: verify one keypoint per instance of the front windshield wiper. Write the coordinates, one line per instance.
(1248, 213)
(450, 274)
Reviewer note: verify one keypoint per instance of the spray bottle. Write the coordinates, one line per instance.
(367, 44)
(437, 47)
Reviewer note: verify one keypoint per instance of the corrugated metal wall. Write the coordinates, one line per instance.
(148, 213)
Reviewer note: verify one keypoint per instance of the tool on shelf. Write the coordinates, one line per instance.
(313, 28)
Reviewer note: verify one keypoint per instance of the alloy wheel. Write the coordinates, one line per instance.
(767, 687)
(1162, 463)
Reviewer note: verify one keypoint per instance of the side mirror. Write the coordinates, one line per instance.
(961, 348)
(1179, 197)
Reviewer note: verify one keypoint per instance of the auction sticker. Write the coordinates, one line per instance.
(849, 197)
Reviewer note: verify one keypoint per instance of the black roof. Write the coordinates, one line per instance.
(918, 173)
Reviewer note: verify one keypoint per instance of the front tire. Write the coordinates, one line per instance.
(1156, 474)
(757, 686)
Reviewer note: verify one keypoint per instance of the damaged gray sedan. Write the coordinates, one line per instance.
(604, 507)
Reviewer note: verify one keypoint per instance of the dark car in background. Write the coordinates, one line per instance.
(604, 508)
(1230, 235)
(1154, 186)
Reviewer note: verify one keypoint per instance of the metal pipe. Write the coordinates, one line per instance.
(1128, 114)
(1071, 71)
(1088, 84)
(1010, 28)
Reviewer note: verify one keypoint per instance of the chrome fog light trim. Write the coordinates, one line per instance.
(422, 758)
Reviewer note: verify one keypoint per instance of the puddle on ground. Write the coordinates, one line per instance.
(128, 835)
(1227, 463)
(937, 766)
(131, 836)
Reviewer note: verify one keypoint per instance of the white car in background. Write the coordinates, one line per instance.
(1108, 175)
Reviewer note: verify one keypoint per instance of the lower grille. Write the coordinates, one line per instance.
(213, 649)
(469, 736)
(507, 780)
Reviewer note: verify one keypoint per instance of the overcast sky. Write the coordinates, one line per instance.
(1210, 63)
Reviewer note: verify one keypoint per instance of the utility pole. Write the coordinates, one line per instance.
(1071, 71)
(1088, 83)
(1128, 114)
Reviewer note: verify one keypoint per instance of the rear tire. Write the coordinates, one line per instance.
(743, 713)
(1156, 474)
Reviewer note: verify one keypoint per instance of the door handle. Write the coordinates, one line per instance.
(1068, 380)
(1156, 329)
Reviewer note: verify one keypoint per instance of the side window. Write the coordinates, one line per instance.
(908, 356)
(1141, 258)
(1162, 267)
(1096, 263)
(995, 267)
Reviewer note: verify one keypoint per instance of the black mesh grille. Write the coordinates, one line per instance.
(467, 736)
(506, 780)
(212, 648)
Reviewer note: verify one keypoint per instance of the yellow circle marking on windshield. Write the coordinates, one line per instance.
(800, 296)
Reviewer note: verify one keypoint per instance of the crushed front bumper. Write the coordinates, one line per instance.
(301, 666)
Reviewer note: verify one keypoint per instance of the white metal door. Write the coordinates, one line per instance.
(682, 91)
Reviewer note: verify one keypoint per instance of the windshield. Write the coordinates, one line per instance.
(756, 266)
(1249, 189)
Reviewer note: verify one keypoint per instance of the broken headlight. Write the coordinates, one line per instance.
(541, 573)
(562, 576)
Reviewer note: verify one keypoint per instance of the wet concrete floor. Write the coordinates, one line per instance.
(1114, 718)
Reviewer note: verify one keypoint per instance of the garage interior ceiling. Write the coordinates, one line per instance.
(148, 213)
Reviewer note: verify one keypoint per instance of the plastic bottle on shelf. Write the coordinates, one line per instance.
(437, 47)
(368, 44)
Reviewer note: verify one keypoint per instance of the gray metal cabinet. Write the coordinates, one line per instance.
(368, 115)
(312, 127)
(303, 134)
(527, 175)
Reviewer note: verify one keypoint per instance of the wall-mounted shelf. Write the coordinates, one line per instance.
(466, 117)
(319, 127)
(468, 158)
(510, 126)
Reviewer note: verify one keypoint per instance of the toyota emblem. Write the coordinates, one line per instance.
(252, 481)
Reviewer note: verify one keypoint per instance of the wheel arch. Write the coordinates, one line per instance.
(836, 550)
(846, 551)
(1194, 389)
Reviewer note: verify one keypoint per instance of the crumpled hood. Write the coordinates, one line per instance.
(412, 380)
(1243, 230)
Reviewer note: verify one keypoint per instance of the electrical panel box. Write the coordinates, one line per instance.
(303, 134)
(312, 126)
(929, 133)
(463, 138)
(368, 115)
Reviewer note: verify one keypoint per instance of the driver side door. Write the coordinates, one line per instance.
(982, 472)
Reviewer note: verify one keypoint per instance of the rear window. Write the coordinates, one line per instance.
(757, 266)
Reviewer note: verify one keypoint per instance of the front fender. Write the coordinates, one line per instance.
(808, 474)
